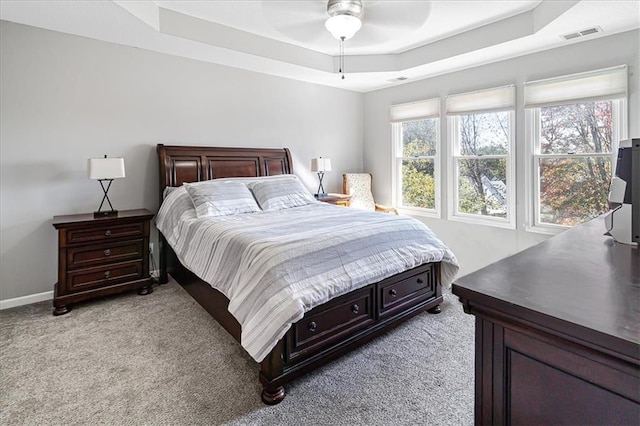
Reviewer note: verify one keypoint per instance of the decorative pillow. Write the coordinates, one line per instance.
(221, 198)
(281, 194)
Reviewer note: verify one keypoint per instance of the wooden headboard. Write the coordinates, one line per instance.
(180, 164)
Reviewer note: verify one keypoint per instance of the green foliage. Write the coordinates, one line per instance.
(419, 138)
(418, 184)
(472, 197)
(418, 187)
(573, 190)
(482, 134)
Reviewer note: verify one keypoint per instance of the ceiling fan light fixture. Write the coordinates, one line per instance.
(343, 27)
(344, 18)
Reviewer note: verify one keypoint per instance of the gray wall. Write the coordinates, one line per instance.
(67, 98)
(477, 245)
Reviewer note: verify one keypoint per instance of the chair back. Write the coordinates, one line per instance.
(358, 185)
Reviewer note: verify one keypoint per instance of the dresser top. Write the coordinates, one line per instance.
(88, 217)
(579, 282)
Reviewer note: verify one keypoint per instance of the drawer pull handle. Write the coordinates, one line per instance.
(107, 274)
(107, 252)
(420, 281)
(393, 292)
(312, 326)
(355, 308)
(107, 232)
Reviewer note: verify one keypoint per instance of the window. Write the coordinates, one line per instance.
(481, 150)
(575, 123)
(416, 140)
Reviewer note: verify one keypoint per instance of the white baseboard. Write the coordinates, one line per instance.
(26, 300)
(40, 297)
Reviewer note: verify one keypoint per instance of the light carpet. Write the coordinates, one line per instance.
(162, 360)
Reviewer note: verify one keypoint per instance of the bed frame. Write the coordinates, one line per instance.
(327, 331)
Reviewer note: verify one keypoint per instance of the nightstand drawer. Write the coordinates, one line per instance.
(395, 297)
(105, 275)
(86, 256)
(105, 233)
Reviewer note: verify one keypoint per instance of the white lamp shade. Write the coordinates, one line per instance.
(343, 26)
(105, 168)
(320, 165)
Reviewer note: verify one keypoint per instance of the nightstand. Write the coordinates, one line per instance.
(337, 199)
(101, 256)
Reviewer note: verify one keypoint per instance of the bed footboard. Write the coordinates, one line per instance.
(329, 330)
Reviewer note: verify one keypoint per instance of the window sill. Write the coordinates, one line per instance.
(472, 219)
(547, 230)
(416, 211)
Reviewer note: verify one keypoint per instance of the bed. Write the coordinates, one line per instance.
(324, 331)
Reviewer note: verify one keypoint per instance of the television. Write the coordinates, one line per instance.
(623, 220)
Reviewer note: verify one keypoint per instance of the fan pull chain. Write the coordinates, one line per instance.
(342, 56)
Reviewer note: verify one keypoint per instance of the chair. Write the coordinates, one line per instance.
(358, 185)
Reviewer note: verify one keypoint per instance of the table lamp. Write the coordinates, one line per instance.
(320, 165)
(105, 170)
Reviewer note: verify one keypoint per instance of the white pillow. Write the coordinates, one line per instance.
(221, 198)
(281, 194)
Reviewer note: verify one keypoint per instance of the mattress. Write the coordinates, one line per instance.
(275, 266)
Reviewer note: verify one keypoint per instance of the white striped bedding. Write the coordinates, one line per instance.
(275, 266)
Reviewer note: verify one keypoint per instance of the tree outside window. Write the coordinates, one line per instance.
(481, 162)
(416, 149)
(417, 163)
(573, 161)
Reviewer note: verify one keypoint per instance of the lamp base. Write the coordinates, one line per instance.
(105, 213)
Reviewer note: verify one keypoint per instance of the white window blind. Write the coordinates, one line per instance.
(497, 99)
(609, 83)
(415, 110)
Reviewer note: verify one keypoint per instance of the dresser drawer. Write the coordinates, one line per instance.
(396, 297)
(336, 319)
(82, 279)
(86, 256)
(105, 233)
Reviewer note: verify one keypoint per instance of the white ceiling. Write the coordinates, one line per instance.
(412, 39)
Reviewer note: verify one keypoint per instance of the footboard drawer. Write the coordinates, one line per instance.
(397, 295)
(331, 322)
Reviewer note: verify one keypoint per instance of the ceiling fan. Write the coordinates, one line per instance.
(366, 24)
(382, 20)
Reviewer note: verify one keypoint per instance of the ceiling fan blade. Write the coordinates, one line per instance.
(300, 31)
(299, 20)
(409, 15)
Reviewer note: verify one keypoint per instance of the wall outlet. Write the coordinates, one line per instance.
(150, 247)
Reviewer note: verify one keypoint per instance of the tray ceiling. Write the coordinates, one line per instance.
(410, 39)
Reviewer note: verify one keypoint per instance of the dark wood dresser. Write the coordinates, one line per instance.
(101, 256)
(558, 332)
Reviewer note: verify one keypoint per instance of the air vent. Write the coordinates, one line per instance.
(582, 33)
(393, 80)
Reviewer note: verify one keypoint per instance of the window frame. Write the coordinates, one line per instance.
(533, 156)
(396, 172)
(453, 145)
